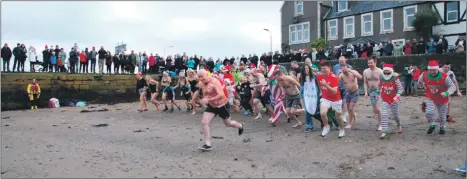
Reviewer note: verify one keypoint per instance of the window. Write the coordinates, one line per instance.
(386, 21)
(367, 24)
(452, 11)
(299, 33)
(341, 6)
(292, 34)
(298, 8)
(409, 16)
(306, 32)
(332, 29)
(349, 27)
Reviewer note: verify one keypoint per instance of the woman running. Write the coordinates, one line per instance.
(142, 87)
(194, 88)
(167, 92)
(185, 91)
(153, 86)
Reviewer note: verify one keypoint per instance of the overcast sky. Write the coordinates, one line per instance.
(211, 28)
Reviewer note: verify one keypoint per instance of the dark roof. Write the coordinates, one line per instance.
(361, 7)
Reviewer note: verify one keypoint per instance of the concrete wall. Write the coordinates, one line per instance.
(65, 87)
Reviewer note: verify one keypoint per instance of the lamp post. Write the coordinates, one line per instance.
(167, 47)
(270, 37)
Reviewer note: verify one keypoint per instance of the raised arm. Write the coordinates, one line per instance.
(420, 81)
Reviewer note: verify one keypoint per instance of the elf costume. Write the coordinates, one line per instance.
(438, 88)
(391, 90)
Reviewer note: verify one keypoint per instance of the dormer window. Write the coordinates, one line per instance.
(298, 8)
(342, 6)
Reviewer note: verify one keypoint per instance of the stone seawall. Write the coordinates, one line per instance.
(106, 89)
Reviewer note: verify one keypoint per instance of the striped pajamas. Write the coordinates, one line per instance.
(436, 112)
(386, 108)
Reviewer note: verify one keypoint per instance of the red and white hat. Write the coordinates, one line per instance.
(433, 65)
(389, 67)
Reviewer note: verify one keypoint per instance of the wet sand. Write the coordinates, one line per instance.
(63, 142)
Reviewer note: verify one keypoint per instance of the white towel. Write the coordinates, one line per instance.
(310, 95)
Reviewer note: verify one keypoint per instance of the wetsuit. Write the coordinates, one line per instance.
(153, 88)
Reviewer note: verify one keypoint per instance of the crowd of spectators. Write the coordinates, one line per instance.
(55, 59)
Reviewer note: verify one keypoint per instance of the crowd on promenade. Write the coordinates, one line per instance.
(56, 59)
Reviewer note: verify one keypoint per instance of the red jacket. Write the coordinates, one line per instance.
(82, 57)
(152, 61)
(407, 49)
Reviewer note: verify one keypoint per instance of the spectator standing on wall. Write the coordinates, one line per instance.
(152, 64)
(440, 47)
(123, 62)
(74, 60)
(444, 43)
(102, 57)
(83, 56)
(22, 57)
(45, 58)
(116, 62)
(421, 46)
(6, 56)
(53, 63)
(398, 49)
(63, 56)
(16, 53)
(407, 47)
(431, 46)
(92, 57)
(191, 64)
(145, 62)
(108, 62)
(132, 62)
(388, 49)
(197, 61)
(86, 51)
(460, 44)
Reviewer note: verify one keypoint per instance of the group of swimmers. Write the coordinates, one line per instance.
(329, 97)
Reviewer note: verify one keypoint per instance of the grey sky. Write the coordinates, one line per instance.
(210, 28)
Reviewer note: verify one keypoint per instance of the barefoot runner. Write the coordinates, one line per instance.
(447, 69)
(291, 89)
(277, 95)
(349, 77)
(391, 90)
(438, 88)
(336, 69)
(330, 98)
(153, 86)
(371, 79)
(215, 99)
(263, 94)
(195, 92)
(310, 93)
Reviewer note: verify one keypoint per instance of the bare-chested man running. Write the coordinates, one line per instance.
(263, 94)
(216, 101)
(291, 87)
(371, 77)
(349, 77)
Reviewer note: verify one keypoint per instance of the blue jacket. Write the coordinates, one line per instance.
(53, 60)
(191, 64)
(431, 47)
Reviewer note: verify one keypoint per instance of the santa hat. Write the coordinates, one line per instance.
(433, 65)
(252, 66)
(389, 67)
(46, 46)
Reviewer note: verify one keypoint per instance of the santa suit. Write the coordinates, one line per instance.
(437, 91)
(391, 90)
(277, 95)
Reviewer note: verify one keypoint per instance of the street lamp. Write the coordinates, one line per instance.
(270, 37)
(167, 47)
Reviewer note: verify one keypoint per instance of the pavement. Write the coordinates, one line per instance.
(122, 142)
